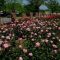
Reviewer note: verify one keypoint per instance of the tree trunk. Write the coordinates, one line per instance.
(13, 16)
(36, 8)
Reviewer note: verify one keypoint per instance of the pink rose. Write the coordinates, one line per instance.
(8, 37)
(20, 39)
(2, 36)
(49, 34)
(25, 50)
(6, 45)
(51, 41)
(32, 39)
(46, 30)
(35, 34)
(28, 29)
(42, 30)
(54, 46)
(30, 54)
(58, 28)
(32, 32)
(37, 44)
(46, 41)
(2, 28)
(20, 46)
(55, 51)
(20, 58)
(6, 29)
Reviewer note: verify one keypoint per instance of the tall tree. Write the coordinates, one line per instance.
(35, 4)
(2, 3)
(53, 5)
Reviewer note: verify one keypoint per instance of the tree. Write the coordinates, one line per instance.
(2, 4)
(53, 5)
(35, 4)
(17, 7)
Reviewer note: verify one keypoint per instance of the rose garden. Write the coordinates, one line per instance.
(29, 31)
(30, 39)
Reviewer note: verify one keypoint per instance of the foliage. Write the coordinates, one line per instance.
(53, 6)
(30, 40)
(35, 4)
(11, 6)
(2, 3)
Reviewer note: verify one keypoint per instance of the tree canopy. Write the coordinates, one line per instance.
(35, 4)
(2, 4)
(53, 6)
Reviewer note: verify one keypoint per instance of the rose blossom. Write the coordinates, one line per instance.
(1, 42)
(42, 30)
(28, 29)
(58, 28)
(25, 50)
(6, 45)
(49, 34)
(35, 34)
(2, 36)
(51, 41)
(20, 58)
(37, 44)
(10, 35)
(13, 35)
(32, 39)
(46, 41)
(20, 46)
(34, 27)
(37, 27)
(54, 46)
(55, 51)
(23, 27)
(20, 39)
(46, 30)
(30, 54)
(2, 28)
(6, 29)
(7, 37)
(32, 32)
(59, 40)
(13, 25)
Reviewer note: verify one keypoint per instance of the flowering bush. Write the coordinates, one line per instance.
(30, 40)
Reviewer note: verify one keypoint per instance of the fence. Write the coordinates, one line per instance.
(5, 20)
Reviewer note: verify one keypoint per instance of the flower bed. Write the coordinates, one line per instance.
(30, 40)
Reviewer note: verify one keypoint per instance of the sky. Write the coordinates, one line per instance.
(25, 2)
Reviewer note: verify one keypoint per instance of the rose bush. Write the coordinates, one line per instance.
(30, 40)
